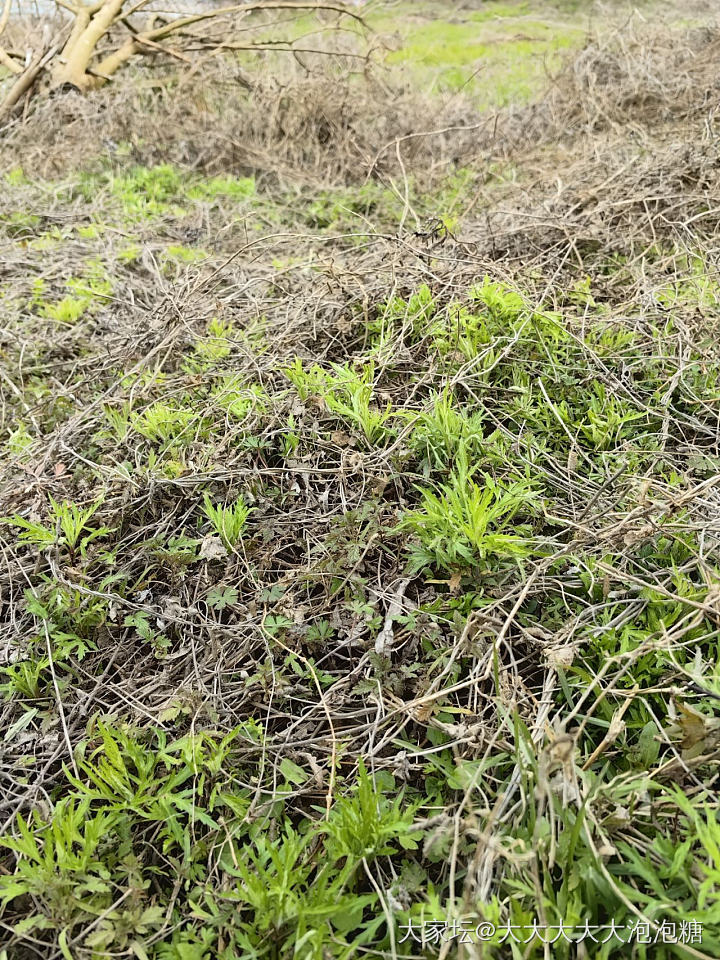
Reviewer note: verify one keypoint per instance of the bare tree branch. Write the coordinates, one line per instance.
(27, 78)
(81, 64)
(5, 58)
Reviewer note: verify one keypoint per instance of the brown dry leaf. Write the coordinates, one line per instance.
(424, 711)
(606, 851)
(212, 548)
(637, 536)
(562, 656)
(378, 488)
(606, 586)
(694, 729)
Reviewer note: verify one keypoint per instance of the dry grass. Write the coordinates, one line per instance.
(331, 637)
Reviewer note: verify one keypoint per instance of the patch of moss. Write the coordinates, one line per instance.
(86, 293)
(149, 192)
(498, 55)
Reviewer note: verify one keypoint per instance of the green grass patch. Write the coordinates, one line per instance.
(499, 55)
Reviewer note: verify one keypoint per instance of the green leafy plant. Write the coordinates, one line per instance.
(221, 597)
(216, 345)
(68, 527)
(228, 520)
(163, 423)
(351, 394)
(347, 392)
(367, 823)
(307, 382)
(442, 431)
(240, 399)
(61, 864)
(27, 679)
(214, 188)
(119, 420)
(466, 524)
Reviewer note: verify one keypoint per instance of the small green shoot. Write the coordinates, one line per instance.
(228, 520)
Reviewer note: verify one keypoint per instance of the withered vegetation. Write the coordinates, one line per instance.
(361, 509)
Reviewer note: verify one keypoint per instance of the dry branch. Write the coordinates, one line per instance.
(81, 47)
(5, 59)
(80, 63)
(26, 78)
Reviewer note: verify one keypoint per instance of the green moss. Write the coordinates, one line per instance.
(16, 177)
(238, 189)
(90, 232)
(182, 254)
(144, 193)
(130, 254)
(86, 294)
(498, 55)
